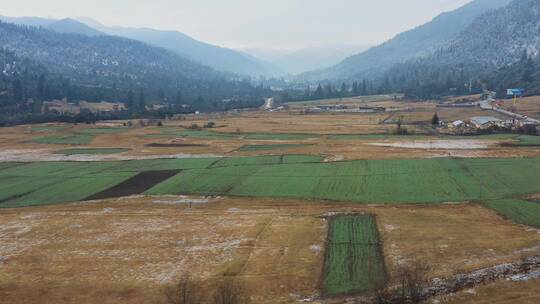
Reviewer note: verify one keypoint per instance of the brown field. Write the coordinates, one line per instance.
(141, 143)
(529, 106)
(62, 254)
(501, 292)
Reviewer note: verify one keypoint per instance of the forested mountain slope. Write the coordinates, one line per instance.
(501, 41)
(219, 58)
(42, 64)
(411, 44)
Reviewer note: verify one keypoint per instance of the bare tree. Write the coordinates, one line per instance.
(411, 279)
(184, 292)
(229, 292)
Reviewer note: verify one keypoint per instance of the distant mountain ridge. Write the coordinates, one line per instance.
(216, 57)
(72, 26)
(307, 59)
(108, 67)
(415, 43)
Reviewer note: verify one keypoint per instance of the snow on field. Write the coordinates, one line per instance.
(436, 144)
(35, 155)
(181, 200)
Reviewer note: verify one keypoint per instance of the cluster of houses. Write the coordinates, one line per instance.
(489, 122)
(63, 107)
(341, 108)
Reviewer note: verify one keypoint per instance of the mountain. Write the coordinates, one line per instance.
(73, 26)
(66, 25)
(411, 44)
(307, 59)
(219, 58)
(37, 60)
(30, 21)
(506, 40)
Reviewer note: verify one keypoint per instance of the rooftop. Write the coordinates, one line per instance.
(482, 120)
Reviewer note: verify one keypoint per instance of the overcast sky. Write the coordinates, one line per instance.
(251, 23)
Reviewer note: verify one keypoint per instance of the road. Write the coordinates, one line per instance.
(487, 105)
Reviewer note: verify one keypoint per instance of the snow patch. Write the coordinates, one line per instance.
(435, 144)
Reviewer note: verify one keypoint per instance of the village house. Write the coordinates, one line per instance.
(484, 122)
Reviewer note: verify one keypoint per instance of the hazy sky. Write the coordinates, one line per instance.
(251, 23)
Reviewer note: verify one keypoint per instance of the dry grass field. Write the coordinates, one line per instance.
(527, 106)
(142, 244)
(501, 292)
(335, 136)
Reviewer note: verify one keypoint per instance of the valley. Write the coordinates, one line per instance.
(250, 201)
(284, 152)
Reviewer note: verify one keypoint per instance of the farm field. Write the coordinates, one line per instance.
(247, 239)
(519, 211)
(526, 106)
(388, 181)
(500, 292)
(268, 147)
(335, 137)
(411, 181)
(77, 139)
(294, 206)
(91, 151)
(353, 261)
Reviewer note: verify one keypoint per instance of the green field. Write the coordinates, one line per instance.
(527, 141)
(69, 139)
(48, 128)
(103, 130)
(298, 176)
(252, 148)
(57, 182)
(519, 211)
(374, 181)
(353, 257)
(25, 184)
(278, 136)
(166, 132)
(91, 151)
(73, 137)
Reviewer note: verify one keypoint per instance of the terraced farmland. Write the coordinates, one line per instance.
(353, 261)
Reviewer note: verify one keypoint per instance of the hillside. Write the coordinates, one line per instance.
(501, 41)
(43, 64)
(408, 45)
(102, 57)
(219, 58)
